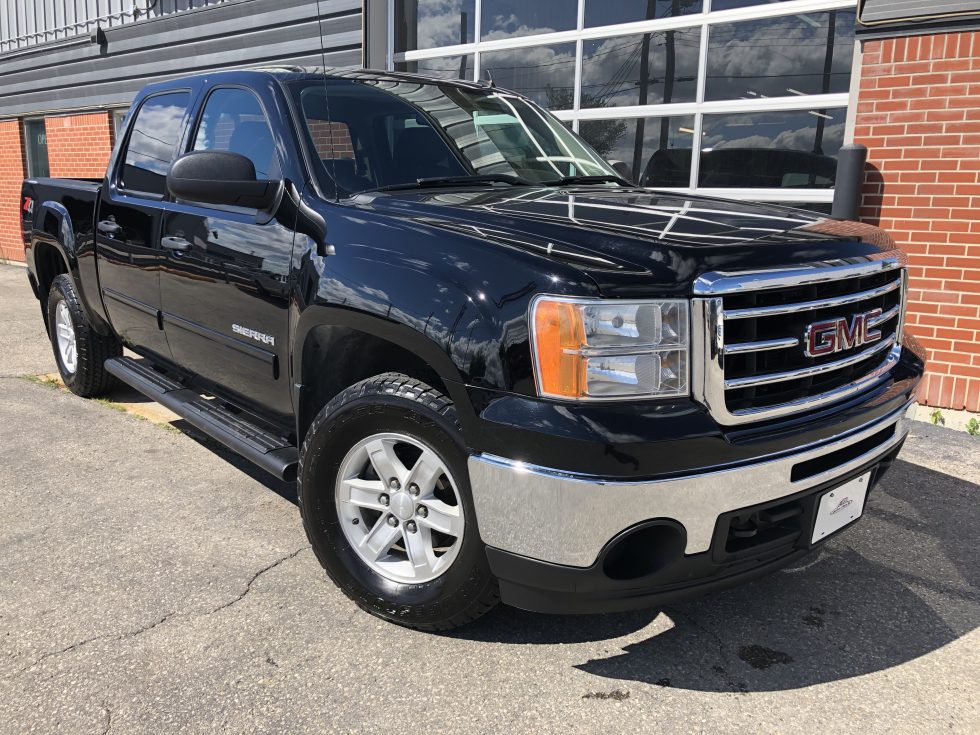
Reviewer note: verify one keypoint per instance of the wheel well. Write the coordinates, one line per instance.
(49, 264)
(335, 358)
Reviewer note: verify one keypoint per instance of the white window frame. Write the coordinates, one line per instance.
(118, 118)
(698, 109)
(27, 156)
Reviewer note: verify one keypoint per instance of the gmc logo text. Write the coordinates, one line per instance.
(836, 335)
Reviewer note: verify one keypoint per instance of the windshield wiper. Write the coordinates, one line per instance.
(437, 181)
(601, 179)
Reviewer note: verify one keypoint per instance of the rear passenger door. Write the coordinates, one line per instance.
(225, 286)
(128, 221)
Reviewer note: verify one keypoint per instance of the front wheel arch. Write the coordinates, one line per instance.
(330, 357)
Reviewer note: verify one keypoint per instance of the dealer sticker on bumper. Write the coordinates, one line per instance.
(840, 506)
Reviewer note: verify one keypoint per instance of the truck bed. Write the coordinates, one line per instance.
(49, 195)
(64, 211)
(59, 184)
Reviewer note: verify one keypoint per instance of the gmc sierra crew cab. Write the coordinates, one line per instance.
(497, 370)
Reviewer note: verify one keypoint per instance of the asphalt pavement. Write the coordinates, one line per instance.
(151, 583)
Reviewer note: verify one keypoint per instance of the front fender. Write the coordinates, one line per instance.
(461, 329)
(334, 329)
(458, 300)
(402, 335)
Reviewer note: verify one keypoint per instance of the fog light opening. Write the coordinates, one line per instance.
(644, 550)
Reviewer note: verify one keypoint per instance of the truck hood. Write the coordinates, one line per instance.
(634, 241)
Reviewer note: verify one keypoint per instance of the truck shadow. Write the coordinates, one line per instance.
(903, 583)
(282, 488)
(134, 402)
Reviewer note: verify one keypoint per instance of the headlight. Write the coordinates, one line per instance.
(586, 349)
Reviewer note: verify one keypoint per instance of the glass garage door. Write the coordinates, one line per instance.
(741, 98)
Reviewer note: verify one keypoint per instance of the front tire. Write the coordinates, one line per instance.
(385, 498)
(79, 350)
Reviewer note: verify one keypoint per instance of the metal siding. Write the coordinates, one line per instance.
(879, 11)
(27, 23)
(75, 73)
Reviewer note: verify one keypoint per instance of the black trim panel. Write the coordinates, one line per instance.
(523, 585)
(132, 303)
(249, 350)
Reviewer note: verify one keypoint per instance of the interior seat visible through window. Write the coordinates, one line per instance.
(421, 151)
(253, 139)
(233, 120)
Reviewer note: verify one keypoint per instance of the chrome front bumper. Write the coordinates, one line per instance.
(567, 519)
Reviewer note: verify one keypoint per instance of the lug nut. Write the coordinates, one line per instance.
(383, 499)
(394, 484)
(412, 528)
(392, 521)
(414, 489)
(422, 511)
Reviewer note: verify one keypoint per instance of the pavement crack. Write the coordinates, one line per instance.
(94, 639)
(726, 669)
(248, 585)
(108, 718)
(697, 625)
(127, 635)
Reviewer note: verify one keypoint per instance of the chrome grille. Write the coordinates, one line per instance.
(751, 330)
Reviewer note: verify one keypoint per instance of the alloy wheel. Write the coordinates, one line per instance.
(65, 332)
(399, 507)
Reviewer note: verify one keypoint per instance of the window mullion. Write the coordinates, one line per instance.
(390, 27)
(699, 100)
(579, 51)
(477, 35)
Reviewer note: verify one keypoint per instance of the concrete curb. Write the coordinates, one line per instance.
(949, 418)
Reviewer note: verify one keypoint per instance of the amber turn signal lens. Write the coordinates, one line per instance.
(559, 334)
(608, 349)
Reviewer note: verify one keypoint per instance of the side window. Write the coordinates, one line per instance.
(234, 121)
(152, 143)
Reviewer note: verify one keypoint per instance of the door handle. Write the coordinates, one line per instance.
(108, 227)
(177, 244)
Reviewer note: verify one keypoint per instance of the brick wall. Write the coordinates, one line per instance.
(79, 145)
(12, 167)
(331, 139)
(919, 115)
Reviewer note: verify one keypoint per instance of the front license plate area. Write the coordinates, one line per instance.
(840, 507)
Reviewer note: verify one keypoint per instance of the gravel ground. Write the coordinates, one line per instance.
(149, 583)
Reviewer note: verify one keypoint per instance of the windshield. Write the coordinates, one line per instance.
(372, 134)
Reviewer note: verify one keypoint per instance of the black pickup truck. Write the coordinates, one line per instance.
(497, 370)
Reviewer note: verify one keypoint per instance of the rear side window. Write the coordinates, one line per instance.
(233, 120)
(152, 143)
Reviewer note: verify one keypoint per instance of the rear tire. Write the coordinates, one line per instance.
(79, 350)
(379, 540)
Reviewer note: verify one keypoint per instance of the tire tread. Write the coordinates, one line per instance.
(90, 379)
(397, 384)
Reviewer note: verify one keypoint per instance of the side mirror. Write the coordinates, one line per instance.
(220, 177)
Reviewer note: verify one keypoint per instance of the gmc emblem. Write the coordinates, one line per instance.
(836, 335)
